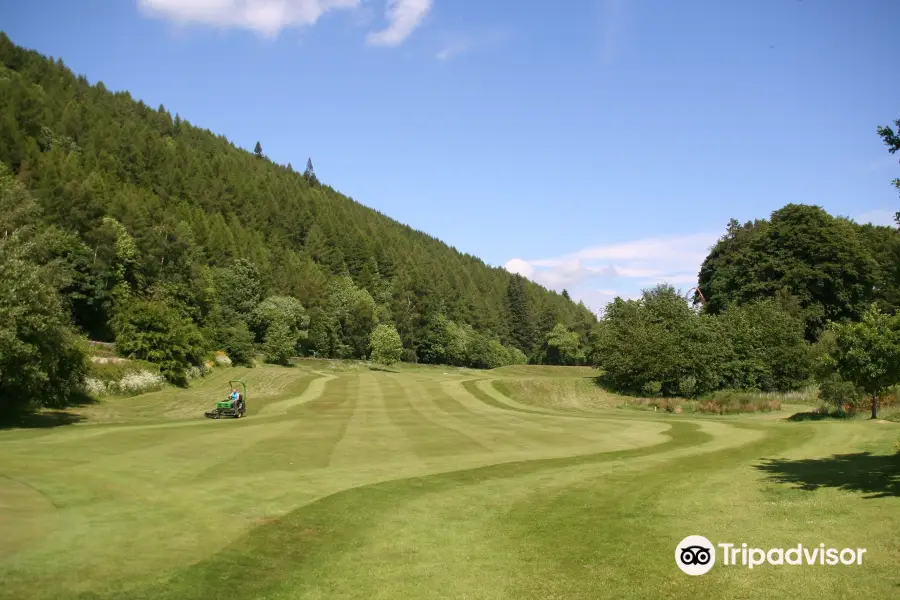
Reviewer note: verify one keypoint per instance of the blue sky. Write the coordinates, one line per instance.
(596, 145)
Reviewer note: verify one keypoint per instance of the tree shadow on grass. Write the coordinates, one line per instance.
(382, 369)
(874, 474)
(42, 418)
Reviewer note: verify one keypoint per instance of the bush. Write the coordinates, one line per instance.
(652, 389)
(387, 348)
(153, 331)
(840, 394)
(236, 340)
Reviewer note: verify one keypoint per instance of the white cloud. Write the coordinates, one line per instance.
(269, 17)
(630, 266)
(266, 17)
(878, 217)
(522, 267)
(403, 17)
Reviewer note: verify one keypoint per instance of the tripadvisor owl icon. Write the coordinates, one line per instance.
(695, 555)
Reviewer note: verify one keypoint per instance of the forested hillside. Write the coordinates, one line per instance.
(151, 222)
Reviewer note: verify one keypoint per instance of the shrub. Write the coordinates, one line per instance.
(840, 394)
(652, 389)
(387, 348)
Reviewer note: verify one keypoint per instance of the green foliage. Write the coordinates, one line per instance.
(434, 346)
(238, 288)
(658, 338)
(280, 342)
(652, 389)
(280, 323)
(658, 345)
(562, 347)
(153, 331)
(42, 361)
(867, 354)
(279, 309)
(687, 386)
(146, 205)
(822, 260)
(892, 141)
(237, 341)
(516, 357)
(520, 319)
(767, 348)
(840, 394)
(387, 348)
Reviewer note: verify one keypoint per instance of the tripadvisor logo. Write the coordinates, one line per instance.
(696, 555)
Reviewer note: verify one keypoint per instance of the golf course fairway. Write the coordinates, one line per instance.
(345, 481)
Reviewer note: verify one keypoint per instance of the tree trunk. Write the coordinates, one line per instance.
(874, 405)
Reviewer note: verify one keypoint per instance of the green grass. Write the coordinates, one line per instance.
(434, 482)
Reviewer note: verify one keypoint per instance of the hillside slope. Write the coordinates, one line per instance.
(193, 203)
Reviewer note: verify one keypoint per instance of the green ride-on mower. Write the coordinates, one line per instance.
(233, 406)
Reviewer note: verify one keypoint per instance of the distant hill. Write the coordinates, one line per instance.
(196, 206)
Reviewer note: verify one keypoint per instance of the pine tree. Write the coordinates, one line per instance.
(310, 173)
(258, 150)
(518, 315)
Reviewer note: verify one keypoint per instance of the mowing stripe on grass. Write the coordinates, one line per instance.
(371, 436)
(428, 438)
(313, 390)
(538, 431)
(443, 410)
(293, 557)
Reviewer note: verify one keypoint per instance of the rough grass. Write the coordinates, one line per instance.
(348, 482)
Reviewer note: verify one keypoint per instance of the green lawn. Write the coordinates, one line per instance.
(434, 482)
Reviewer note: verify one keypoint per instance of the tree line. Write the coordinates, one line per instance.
(797, 298)
(171, 241)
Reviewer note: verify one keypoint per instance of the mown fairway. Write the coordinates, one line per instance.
(431, 483)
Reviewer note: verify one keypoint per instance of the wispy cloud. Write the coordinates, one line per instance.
(403, 17)
(269, 17)
(629, 266)
(454, 44)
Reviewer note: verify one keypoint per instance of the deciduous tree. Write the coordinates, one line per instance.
(867, 353)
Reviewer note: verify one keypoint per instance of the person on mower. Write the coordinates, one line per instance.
(235, 396)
